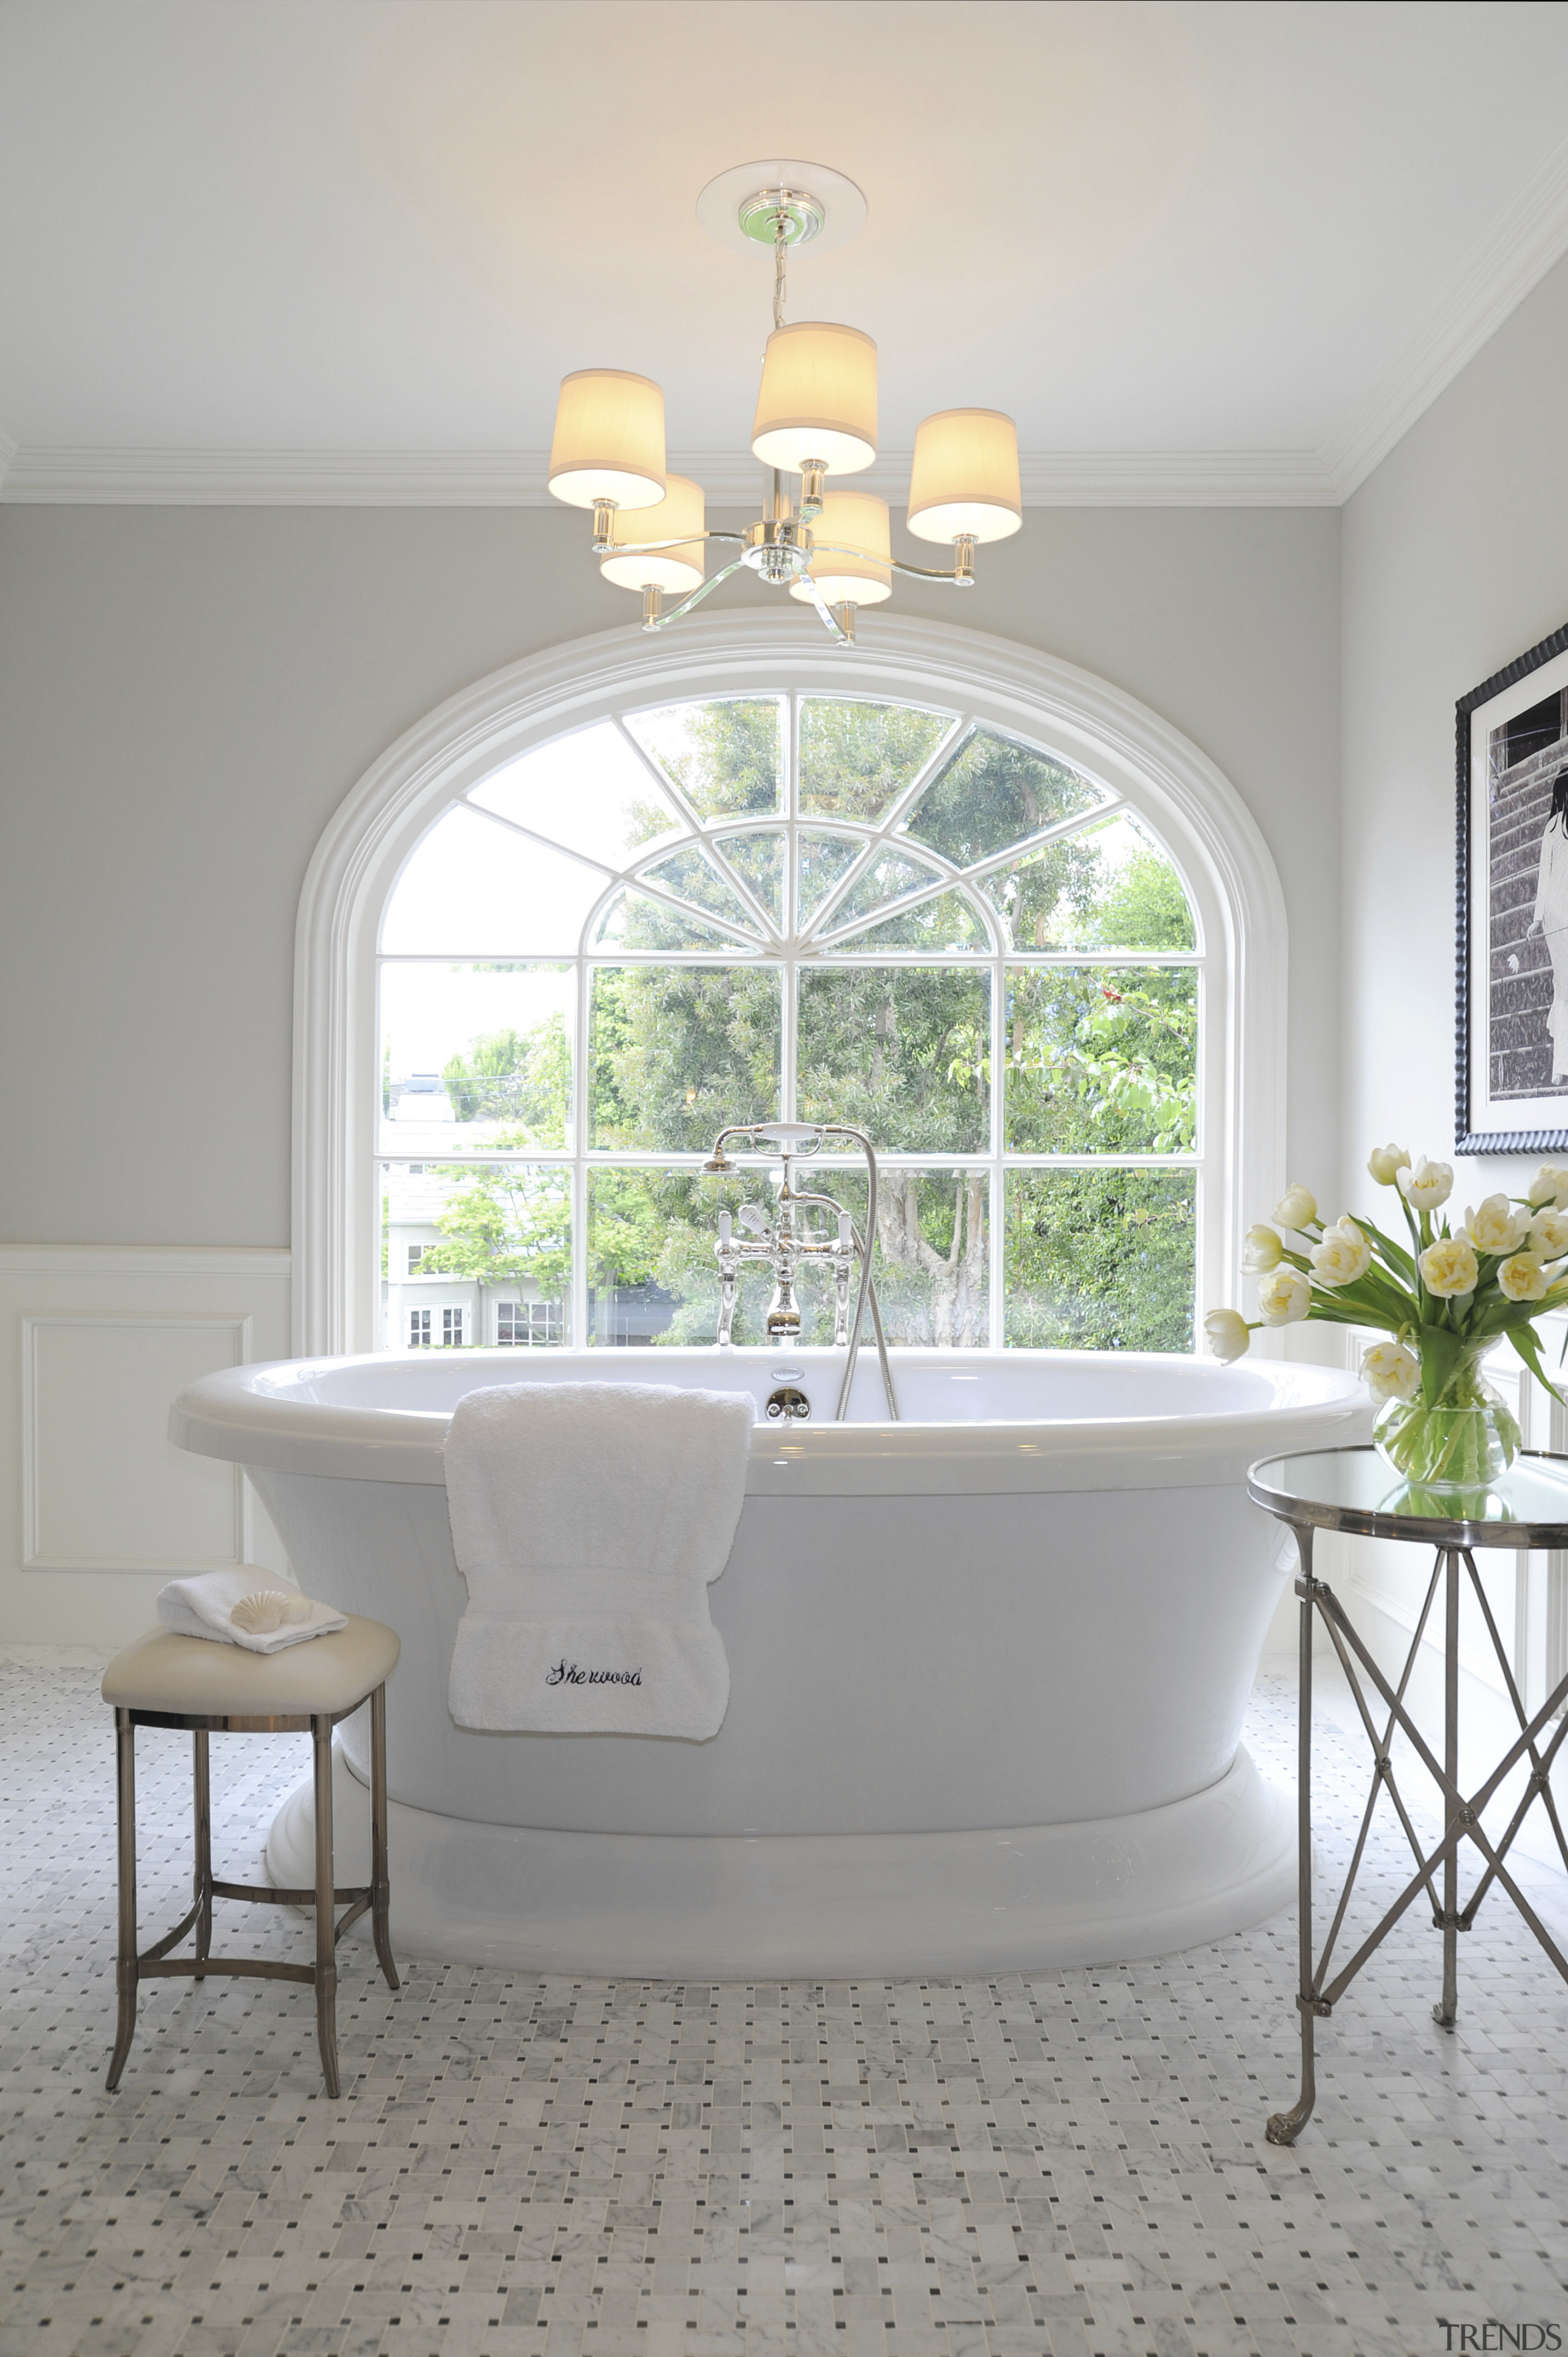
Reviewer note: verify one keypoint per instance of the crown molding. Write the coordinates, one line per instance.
(1516, 253)
(40, 476)
(7, 452)
(1175, 479)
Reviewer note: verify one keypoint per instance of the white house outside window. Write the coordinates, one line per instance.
(804, 906)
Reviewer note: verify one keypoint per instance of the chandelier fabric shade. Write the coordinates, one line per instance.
(965, 477)
(857, 519)
(817, 403)
(609, 440)
(674, 570)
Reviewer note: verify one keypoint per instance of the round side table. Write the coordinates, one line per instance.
(1353, 1490)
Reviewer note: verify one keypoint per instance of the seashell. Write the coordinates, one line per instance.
(256, 1614)
(270, 1608)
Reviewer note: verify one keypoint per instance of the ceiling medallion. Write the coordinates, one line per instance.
(816, 417)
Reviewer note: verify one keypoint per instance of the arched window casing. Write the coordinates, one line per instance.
(813, 900)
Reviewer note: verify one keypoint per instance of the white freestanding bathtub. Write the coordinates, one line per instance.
(988, 1668)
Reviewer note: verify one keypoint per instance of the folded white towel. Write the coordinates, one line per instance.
(204, 1607)
(587, 1520)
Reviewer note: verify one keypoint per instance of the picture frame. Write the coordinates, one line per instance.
(1511, 913)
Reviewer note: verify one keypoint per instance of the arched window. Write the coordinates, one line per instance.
(982, 934)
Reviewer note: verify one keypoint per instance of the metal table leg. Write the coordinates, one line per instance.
(1284, 2127)
(1434, 1869)
(1444, 2011)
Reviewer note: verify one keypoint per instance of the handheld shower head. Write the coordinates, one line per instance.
(718, 1164)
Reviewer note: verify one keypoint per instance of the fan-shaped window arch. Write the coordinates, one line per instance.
(983, 932)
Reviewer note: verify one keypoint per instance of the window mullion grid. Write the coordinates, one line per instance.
(994, 1274)
(1019, 854)
(861, 865)
(788, 1012)
(792, 757)
(615, 1157)
(558, 1158)
(606, 954)
(996, 1161)
(829, 944)
(1201, 1068)
(648, 886)
(577, 1323)
(381, 1225)
(904, 802)
(673, 794)
(1103, 957)
(742, 890)
(788, 1033)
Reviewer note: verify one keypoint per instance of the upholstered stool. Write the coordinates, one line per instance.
(169, 1680)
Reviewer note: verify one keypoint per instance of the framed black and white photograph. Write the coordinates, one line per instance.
(1512, 735)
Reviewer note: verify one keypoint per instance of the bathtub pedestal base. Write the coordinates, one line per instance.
(819, 1906)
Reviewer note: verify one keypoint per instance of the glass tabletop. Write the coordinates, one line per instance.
(1354, 1490)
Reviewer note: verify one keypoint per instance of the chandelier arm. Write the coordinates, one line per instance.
(916, 572)
(642, 547)
(662, 621)
(825, 614)
(929, 573)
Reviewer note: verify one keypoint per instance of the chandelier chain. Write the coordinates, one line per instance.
(781, 247)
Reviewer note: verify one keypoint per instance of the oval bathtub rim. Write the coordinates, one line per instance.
(238, 1415)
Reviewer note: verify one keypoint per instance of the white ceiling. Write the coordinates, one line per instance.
(347, 248)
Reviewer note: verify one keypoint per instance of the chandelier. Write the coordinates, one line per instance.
(816, 418)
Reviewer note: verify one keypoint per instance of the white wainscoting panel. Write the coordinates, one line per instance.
(97, 1508)
(102, 1487)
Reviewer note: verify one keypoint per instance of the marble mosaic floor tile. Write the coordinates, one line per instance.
(1043, 2164)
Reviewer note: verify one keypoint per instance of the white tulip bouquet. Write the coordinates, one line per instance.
(1444, 1301)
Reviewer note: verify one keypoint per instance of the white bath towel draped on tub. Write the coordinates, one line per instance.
(588, 1520)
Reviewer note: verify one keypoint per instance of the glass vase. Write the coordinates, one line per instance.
(1462, 1441)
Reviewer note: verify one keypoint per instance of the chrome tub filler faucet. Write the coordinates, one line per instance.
(785, 1239)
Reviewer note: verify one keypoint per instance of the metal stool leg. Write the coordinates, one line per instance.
(202, 1891)
(380, 1886)
(125, 1974)
(326, 1907)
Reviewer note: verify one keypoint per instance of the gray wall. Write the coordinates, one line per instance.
(186, 694)
(1456, 560)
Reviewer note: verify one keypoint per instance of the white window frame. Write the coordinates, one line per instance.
(1091, 725)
